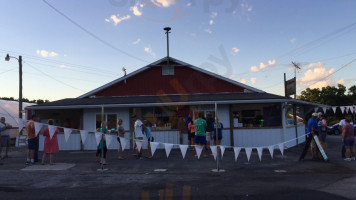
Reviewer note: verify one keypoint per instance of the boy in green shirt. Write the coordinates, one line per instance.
(200, 128)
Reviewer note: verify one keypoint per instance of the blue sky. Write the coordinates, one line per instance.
(255, 42)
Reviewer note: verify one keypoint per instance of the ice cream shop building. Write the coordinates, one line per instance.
(165, 94)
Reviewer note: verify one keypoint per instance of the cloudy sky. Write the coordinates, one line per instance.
(72, 47)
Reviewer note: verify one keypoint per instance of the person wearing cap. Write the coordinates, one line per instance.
(322, 127)
(313, 129)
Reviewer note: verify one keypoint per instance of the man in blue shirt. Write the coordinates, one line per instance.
(311, 129)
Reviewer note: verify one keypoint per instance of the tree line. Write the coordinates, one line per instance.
(38, 101)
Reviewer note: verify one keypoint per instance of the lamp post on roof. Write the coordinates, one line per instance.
(7, 58)
(167, 29)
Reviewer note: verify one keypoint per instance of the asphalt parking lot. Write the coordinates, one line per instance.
(76, 176)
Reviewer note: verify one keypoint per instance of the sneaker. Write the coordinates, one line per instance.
(347, 159)
(353, 159)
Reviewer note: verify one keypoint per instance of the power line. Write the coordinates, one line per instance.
(92, 34)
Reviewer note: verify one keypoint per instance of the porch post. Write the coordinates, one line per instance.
(284, 130)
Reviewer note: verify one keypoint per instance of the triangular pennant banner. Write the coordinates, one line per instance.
(259, 152)
(183, 149)
(83, 135)
(271, 149)
(52, 130)
(154, 146)
(222, 148)
(109, 139)
(168, 148)
(334, 109)
(324, 110)
(139, 145)
(214, 151)
(198, 149)
(38, 127)
(248, 153)
(342, 109)
(351, 109)
(237, 152)
(21, 123)
(123, 142)
(67, 132)
(98, 137)
(355, 109)
(316, 109)
(347, 109)
(281, 148)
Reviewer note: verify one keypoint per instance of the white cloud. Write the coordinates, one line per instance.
(64, 67)
(164, 3)
(149, 51)
(135, 10)
(214, 14)
(253, 80)
(208, 31)
(137, 41)
(315, 78)
(45, 53)
(341, 81)
(211, 22)
(189, 4)
(313, 65)
(116, 19)
(235, 50)
(271, 63)
(249, 9)
(293, 40)
(243, 81)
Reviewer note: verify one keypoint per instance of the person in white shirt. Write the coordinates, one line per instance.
(5, 136)
(138, 129)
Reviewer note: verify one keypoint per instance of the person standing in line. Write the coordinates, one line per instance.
(5, 137)
(209, 128)
(149, 138)
(200, 128)
(31, 139)
(322, 127)
(313, 129)
(102, 145)
(218, 126)
(191, 134)
(341, 125)
(120, 133)
(348, 139)
(139, 127)
(50, 145)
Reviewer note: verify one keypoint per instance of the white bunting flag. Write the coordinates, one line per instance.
(351, 109)
(168, 148)
(198, 149)
(334, 109)
(38, 127)
(123, 142)
(67, 132)
(281, 148)
(139, 145)
(346, 109)
(324, 110)
(21, 123)
(222, 148)
(108, 139)
(259, 152)
(237, 152)
(83, 135)
(248, 153)
(183, 149)
(52, 129)
(154, 146)
(271, 149)
(97, 137)
(316, 109)
(342, 109)
(214, 151)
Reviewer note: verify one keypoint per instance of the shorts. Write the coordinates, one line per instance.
(200, 140)
(191, 136)
(219, 138)
(349, 143)
(5, 141)
(150, 139)
(322, 137)
(208, 136)
(32, 144)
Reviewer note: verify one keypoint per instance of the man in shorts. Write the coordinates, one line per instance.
(200, 128)
(31, 139)
(139, 127)
(5, 137)
(209, 128)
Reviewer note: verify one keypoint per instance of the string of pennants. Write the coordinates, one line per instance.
(168, 146)
(346, 109)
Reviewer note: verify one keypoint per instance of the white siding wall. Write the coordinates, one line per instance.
(257, 137)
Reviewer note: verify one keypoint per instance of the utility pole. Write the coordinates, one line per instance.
(294, 104)
(167, 29)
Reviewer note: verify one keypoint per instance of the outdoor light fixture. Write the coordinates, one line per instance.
(7, 58)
